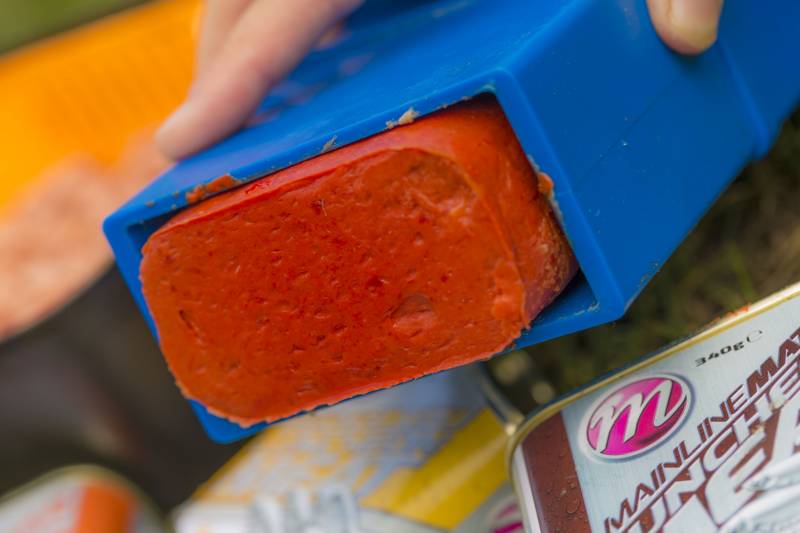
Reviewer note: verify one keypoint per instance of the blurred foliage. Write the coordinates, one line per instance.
(22, 21)
(745, 248)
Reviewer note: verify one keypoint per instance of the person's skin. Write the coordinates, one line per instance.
(247, 46)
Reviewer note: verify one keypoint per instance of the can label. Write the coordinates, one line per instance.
(424, 457)
(704, 438)
(636, 417)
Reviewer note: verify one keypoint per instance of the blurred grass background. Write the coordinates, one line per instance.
(744, 249)
(24, 21)
(747, 247)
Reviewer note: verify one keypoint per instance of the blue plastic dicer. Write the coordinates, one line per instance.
(638, 140)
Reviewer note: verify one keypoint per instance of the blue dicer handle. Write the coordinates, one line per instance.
(638, 140)
(377, 12)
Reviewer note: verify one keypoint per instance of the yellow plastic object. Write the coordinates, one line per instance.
(439, 491)
(90, 90)
(425, 457)
(445, 489)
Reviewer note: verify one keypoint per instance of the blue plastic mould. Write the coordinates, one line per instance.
(638, 140)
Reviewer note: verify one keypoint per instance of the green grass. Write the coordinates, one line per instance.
(22, 21)
(745, 248)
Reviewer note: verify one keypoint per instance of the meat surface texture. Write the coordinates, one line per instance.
(423, 248)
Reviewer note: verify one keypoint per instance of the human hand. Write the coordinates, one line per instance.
(686, 26)
(247, 46)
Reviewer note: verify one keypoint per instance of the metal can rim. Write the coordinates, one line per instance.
(717, 326)
(507, 413)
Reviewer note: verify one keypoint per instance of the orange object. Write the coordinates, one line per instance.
(78, 499)
(89, 91)
(77, 113)
(420, 249)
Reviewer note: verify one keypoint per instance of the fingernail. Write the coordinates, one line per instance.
(696, 21)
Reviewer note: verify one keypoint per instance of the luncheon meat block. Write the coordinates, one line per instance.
(417, 250)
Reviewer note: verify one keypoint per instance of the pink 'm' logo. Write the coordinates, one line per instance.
(637, 416)
(507, 518)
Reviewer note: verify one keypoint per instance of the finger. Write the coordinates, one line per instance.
(219, 18)
(686, 26)
(269, 39)
(330, 36)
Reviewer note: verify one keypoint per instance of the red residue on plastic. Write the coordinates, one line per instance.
(222, 183)
(545, 184)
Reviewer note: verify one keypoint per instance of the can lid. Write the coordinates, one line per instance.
(632, 435)
(723, 323)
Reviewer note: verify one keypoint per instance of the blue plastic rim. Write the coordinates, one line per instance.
(638, 140)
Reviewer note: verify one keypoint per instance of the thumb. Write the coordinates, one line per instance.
(686, 26)
(268, 40)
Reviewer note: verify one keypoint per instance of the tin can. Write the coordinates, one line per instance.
(424, 457)
(701, 436)
(78, 499)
